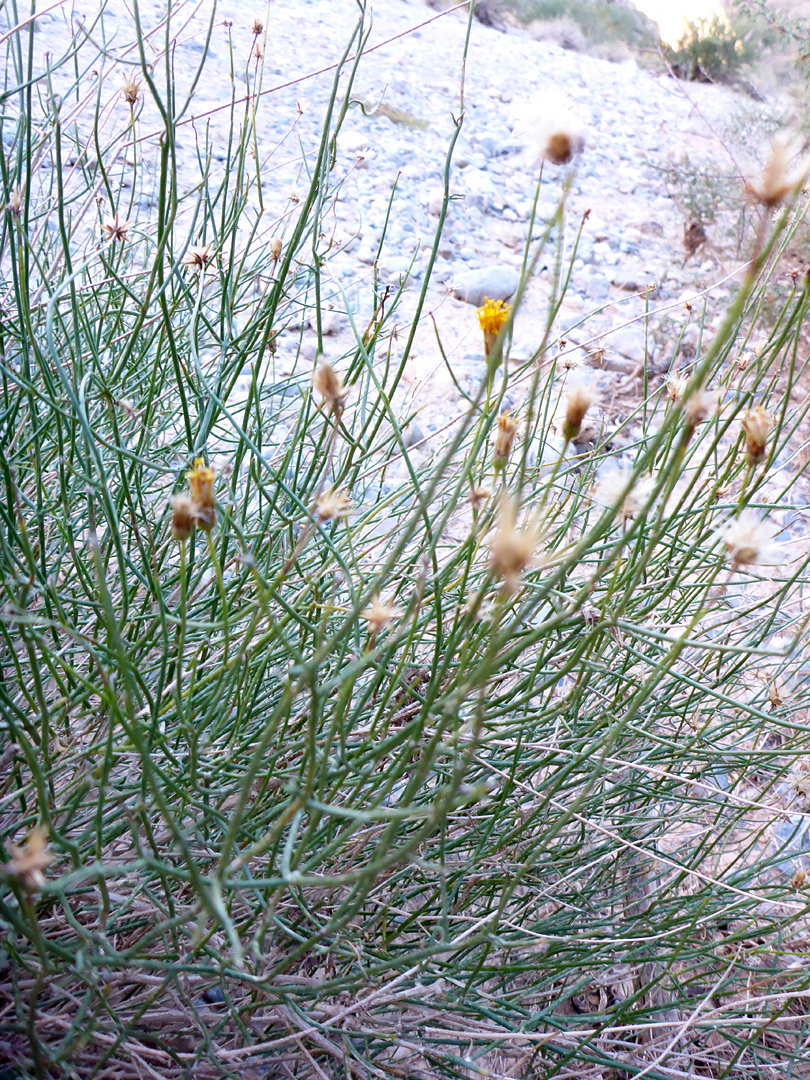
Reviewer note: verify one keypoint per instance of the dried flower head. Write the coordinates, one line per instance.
(616, 488)
(551, 127)
(676, 386)
(14, 204)
(504, 438)
(201, 481)
(478, 496)
(779, 179)
(379, 615)
(115, 229)
(333, 504)
(571, 360)
(577, 403)
(329, 385)
(700, 406)
(749, 540)
(130, 88)
(511, 550)
(183, 516)
(597, 354)
(27, 863)
(491, 318)
(757, 424)
(258, 27)
(198, 257)
(275, 249)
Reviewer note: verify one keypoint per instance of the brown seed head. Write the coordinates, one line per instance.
(757, 424)
(562, 146)
(504, 437)
(478, 496)
(275, 249)
(14, 205)
(258, 27)
(778, 179)
(198, 257)
(27, 863)
(700, 406)
(183, 516)
(333, 504)
(578, 401)
(379, 615)
(676, 385)
(130, 88)
(328, 384)
(510, 550)
(749, 540)
(115, 229)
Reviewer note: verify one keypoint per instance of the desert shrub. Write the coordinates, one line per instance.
(324, 755)
(714, 50)
(598, 21)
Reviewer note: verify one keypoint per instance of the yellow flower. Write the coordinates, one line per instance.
(757, 424)
(491, 318)
(201, 481)
(27, 863)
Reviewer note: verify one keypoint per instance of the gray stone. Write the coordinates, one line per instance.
(486, 283)
(597, 286)
(630, 341)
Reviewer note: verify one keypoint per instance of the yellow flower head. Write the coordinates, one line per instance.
(491, 318)
(201, 482)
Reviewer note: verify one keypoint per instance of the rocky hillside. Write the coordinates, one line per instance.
(659, 156)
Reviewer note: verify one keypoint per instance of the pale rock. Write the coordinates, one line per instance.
(490, 282)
